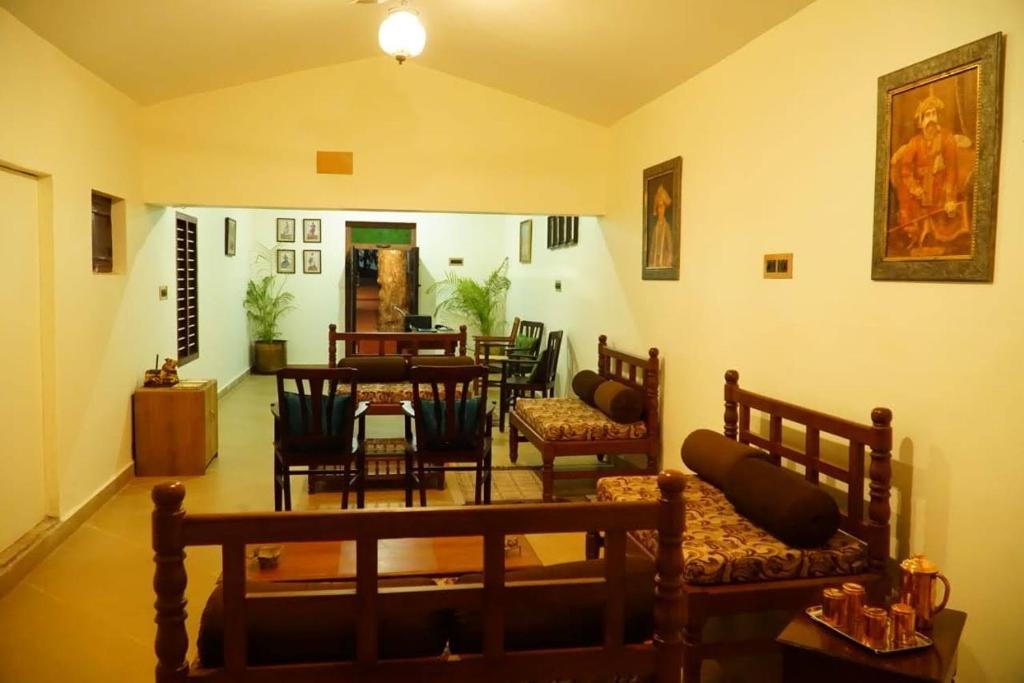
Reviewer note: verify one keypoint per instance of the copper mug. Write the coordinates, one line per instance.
(918, 576)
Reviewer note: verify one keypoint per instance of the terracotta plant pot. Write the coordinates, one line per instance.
(271, 356)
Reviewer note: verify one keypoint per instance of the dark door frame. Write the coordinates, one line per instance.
(350, 278)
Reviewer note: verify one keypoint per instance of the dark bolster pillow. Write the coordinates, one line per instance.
(378, 368)
(568, 618)
(585, 383)
(317, 630)
(619, 402)
(782, 503)
(440, 361)
(712, 455)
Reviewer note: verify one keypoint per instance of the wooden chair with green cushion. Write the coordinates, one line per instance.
(452, 429)
(314, 430)
(522, 377)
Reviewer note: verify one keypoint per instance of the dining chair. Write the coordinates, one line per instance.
(522, 377)
(452, 427)
(314, 431)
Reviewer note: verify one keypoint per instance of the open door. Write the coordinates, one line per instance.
(412, 280)
(351, 287)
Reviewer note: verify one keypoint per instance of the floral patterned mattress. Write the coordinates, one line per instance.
(570, 419)
(393, 392)
(721, 546)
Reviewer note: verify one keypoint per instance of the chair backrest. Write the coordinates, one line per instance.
(449, 418)
(531, 329)
(547, 367)
(514, 332)
(315, 416)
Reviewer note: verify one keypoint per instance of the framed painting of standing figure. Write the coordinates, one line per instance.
(660, 255)
(937, 166)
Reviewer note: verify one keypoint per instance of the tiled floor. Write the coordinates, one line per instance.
(86, 612)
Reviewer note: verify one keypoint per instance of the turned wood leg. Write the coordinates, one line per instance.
(692, 637)
(344, 487)
(513, 443)
(423, 485)
(594, 543)
(548, 478)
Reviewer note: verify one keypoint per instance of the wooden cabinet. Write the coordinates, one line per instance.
(175, 428)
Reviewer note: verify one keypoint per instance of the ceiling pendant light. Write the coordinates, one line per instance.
(401, 34)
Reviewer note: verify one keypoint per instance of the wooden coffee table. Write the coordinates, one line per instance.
(336, 560)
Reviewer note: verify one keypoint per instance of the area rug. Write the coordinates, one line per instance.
(513, 485)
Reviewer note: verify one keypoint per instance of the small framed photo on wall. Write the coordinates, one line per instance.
(286, 261)
(230, 227)
(311, 261)
(526, 241)
(311, 230)
(285, 229)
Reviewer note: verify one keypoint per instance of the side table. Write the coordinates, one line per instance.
(810, 652)
(175, 428)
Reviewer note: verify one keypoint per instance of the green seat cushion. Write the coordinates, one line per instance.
(525, 344)
(434, 417)
(333, 423)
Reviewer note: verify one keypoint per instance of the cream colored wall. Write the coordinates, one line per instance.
(422, 140)
(22, 487)
(778, 147)
(60, 121)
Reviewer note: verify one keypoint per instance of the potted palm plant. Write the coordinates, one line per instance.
(480, 303)
(265, 303)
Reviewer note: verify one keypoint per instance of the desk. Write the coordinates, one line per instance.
(812, 653)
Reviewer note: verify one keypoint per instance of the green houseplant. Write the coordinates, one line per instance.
(478, 302)
(265, 303)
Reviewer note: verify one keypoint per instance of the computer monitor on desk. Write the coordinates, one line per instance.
(418, 323)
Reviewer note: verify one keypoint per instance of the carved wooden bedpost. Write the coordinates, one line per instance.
(332, 352)
(602, 360)
(651, 375)
(668, 588)
(169, 582)
(732, 379)
(880, 476)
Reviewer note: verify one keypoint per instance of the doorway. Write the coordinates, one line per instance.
(381, 276)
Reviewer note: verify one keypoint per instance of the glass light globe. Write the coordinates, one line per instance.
(402, 35)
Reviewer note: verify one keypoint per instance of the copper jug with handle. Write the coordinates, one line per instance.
(918, 576)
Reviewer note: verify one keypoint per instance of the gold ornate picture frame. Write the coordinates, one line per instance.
(937, 166)
(659, 257)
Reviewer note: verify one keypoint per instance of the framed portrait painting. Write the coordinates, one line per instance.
(285, 229)
(311, 230)
(286, 261)
(526, 241)
(230, 229)
(311, 261)
(937, 166)
(662, 195)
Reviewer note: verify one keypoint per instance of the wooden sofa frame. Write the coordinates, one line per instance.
(635, 371)
(174, 530)
(702, 602)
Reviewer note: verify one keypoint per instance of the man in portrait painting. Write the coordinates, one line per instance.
(660, 245)
(930, 175)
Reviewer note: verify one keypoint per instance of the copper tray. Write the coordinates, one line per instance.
(922, 641)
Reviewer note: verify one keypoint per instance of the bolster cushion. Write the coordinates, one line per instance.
(585, 383)
(568, 618)
(377, 369)
(317, 630)
(619, 402)
(440, 361)
(782, 503)
(712, 455)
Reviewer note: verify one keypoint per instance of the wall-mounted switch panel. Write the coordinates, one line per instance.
(778, 266)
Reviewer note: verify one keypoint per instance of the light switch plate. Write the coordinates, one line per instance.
(778, 266)
(558, 285)
(455, 261)
(163, 292)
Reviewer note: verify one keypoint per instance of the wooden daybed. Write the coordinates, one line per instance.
(568, 426)
(486, 610)
(386, 397)
(731, 566)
